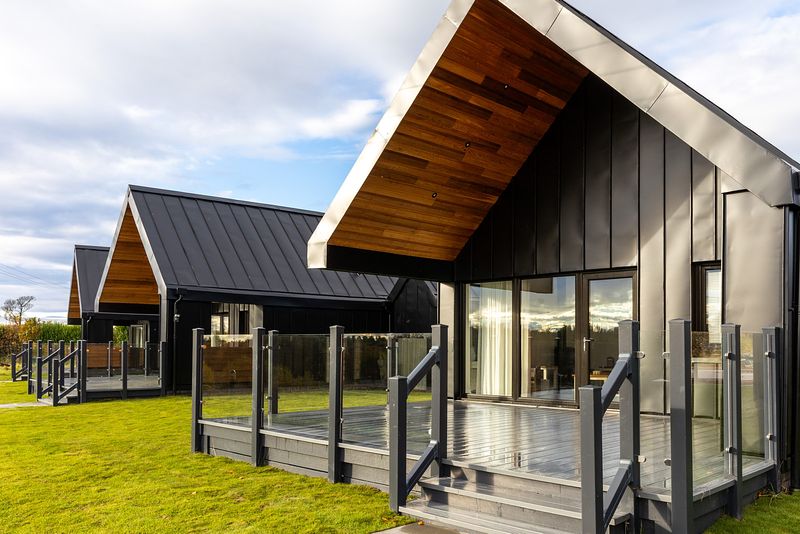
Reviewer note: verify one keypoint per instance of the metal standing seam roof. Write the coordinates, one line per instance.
(218, 244)
(89, 263)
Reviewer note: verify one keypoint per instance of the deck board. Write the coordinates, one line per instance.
(525, 439)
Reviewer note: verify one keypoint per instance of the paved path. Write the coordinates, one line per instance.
(416, 528)
(21, 405)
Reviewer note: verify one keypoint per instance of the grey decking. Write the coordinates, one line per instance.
(522, 439)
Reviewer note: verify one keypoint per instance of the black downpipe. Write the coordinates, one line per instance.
(175, 320)
(790, 449)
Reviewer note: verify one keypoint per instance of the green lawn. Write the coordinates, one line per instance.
(125, 467)
(769, 514)
(12, 392)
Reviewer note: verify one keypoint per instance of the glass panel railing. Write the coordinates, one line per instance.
(143, 367)
(98, 360)
(300, 369)
(654, 403)
(227, 379)
(707, 379)
(752, 368)
(367, 368)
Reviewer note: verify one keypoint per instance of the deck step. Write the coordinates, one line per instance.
(529, 507)
(472, 522)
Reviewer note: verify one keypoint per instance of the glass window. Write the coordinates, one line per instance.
(220, 324)
(547, 318)
(713, 305)
(488, 343)
(610, 301)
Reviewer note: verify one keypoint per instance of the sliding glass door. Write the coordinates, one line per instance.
(609, 300)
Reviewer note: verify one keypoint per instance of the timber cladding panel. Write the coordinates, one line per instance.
(74, 310)
(129, 279)
(489, 100)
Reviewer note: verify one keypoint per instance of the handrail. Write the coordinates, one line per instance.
(75, 358)
(24, 370)
(402, 482)
(598, 509)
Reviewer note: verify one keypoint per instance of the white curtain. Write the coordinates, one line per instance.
(494, 339)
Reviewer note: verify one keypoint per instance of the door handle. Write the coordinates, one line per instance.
(586, 342)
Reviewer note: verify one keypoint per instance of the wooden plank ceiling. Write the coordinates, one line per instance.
(493, 94)
(130, 278)
(74, 309)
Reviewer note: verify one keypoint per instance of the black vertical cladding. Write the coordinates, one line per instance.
(624, 182)
(192, 315)
(503, 235)
(598, 176)
(524, 220)
(98, 330)
(462, 268)
(547, 257)
(571, 190)
(482, 249)
(677, 227)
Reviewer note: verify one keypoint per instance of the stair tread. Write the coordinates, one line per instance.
(556, 505)
(471, 520)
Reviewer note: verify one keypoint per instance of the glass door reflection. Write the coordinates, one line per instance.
(610, 300)
(547, 317)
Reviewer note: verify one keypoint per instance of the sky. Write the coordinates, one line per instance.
(272, 101)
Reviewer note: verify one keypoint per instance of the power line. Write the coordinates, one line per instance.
(28, 274)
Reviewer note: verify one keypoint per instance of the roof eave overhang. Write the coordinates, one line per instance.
(747, 158)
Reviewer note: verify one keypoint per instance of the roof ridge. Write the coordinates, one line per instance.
(223, 200)
(92, 247)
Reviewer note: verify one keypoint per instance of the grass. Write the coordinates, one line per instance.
(125, 467)
(300, 401)
(12, 392)
(768, 514)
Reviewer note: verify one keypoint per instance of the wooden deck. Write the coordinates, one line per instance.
(526, 440)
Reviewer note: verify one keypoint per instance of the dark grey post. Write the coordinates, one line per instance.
(681, 409)
(38, 388)
(58, 380)
(335, 400)
(391, 357)
(439, 400)
(110, 359)
(83, 365)
(398, 399)
(197, 388)
(272, 380)
(258, 396)
(732, 413)
(591, 414)
(162, 351)
(59, 363)
(50, 365)
(72, 360)
(773, 342)
(123, 364)
(30, 367)
(629, 420)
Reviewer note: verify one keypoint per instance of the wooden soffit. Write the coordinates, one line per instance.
(74, 309)
(128, 276)
(483, 92)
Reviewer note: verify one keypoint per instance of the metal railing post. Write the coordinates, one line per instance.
(591, 417)
(146, 358)
(629, 417)
(681, 466)
(58, 380)
(110, 359)
(335, 400)
(14, 365)
(38, 383)
(162, 351)
(72, 360)
(272, 380)
(391, 357)
(83, 369)
(439, 400)
(123, 364)
(398, 399)
(773, 342)
(50, 365)
(732, 413)
(60, 362)
(257, 416)
(197, 388)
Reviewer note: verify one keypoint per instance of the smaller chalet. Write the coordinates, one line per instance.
(229, 266)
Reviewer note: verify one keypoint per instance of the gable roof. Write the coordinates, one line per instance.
(478, 97)
(87, 270)
(211, 244)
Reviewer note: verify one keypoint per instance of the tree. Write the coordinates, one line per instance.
(14, 309)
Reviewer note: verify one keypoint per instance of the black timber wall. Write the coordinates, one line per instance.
(607, 188)
(414, 309)
(317, 320)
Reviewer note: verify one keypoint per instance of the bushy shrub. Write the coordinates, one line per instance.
(120, 335)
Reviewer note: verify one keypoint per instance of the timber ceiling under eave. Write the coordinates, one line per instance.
(488, 101)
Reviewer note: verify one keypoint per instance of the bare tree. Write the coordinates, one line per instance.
(14, 309)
